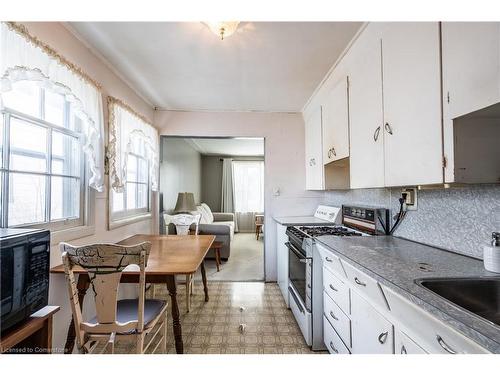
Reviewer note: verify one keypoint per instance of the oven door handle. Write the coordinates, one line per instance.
(299, 305)
(302, 257)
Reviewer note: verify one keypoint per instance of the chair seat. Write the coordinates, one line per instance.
(126, 310)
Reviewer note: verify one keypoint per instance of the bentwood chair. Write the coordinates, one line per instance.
(259, 224)
(127, 319)
(190, 220)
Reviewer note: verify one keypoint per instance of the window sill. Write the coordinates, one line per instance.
(113, 224)
(71, 234)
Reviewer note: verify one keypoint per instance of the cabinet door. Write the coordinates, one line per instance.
(371, 332)
(471, 74)
(314, 163)
(365, 110)
(405, 345)
(336, 123)
(412, 103)
(282, 260)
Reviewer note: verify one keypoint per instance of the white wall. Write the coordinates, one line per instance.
(59, 38)
(180, 171)
(284, 159)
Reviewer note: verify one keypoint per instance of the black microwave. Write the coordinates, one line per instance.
(24, 263)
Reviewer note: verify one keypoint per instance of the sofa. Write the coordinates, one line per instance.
(220, 224)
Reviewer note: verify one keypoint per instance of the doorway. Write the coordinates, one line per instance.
(226, 177)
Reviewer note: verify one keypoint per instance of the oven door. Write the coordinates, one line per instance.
(297, 270)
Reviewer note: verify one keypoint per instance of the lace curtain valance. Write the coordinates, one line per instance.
(129, 132)
(25, 58)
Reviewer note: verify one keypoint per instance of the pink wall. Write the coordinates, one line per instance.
(284, 159)
(65, 43)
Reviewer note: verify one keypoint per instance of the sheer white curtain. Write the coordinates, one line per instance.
(21, 59)
(129, 133)
(248, 192)
(227, 194)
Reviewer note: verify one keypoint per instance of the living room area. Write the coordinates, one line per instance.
(216, 186)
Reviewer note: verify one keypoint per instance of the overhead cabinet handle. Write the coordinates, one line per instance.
(334, 152)
(328, 259)
(333, 288)
(444, 345)
(403, 350)
(388, 128)
(376, 134)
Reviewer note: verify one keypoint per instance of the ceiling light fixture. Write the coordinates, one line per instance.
(223, 29)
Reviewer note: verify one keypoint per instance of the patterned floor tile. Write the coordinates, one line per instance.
(214, 327)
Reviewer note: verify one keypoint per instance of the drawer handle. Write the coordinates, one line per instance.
(328, 259)
(333, 316)
(444, 345)
(333, 288)
(359, 282)
(382, 337)
(333, 348)
(403, 350)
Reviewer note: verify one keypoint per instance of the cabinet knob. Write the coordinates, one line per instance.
(388, 128)
(382, 337)
(376, 134)
(444, 345)
(333, 348)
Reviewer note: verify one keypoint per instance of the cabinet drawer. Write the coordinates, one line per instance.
(331, 262)
(337, 290)
(434, 336)
(338, 319)
(371, 332)
(405, 345)
(366, 286)
(332, 340)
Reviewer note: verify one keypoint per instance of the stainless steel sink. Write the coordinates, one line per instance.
(480, 296)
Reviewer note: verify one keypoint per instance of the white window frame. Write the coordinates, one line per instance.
(128, 216)
(85, 195)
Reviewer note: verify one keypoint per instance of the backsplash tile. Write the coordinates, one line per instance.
(457, 219)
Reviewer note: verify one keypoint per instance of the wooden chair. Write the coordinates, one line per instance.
(259, 223)
(127, 319)
(194, 219)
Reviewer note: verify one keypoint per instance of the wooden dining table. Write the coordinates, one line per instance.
(170, 255)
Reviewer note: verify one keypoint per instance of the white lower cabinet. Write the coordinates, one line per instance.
(405, 345)
(282, 260)
(372, 333)
(332, 340)
(362, 316)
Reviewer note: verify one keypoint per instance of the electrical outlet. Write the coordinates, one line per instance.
(411, 198)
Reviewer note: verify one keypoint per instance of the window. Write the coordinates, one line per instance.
(248, 186)
(133, 163)
(134, 199)
(42, 164)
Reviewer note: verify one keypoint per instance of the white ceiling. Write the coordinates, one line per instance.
(264, 66)
(228, 146)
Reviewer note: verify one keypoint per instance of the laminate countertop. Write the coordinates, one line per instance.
(301, 220)
(393, 262)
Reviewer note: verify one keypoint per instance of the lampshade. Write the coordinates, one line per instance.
(185, 203)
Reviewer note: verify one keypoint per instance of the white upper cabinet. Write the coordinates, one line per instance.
(471, 66)
(412, 103)
(471, 75)
(365, 110)
(336, 122)
(313, 152)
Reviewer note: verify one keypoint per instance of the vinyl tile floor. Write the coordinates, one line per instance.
(213, 327)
